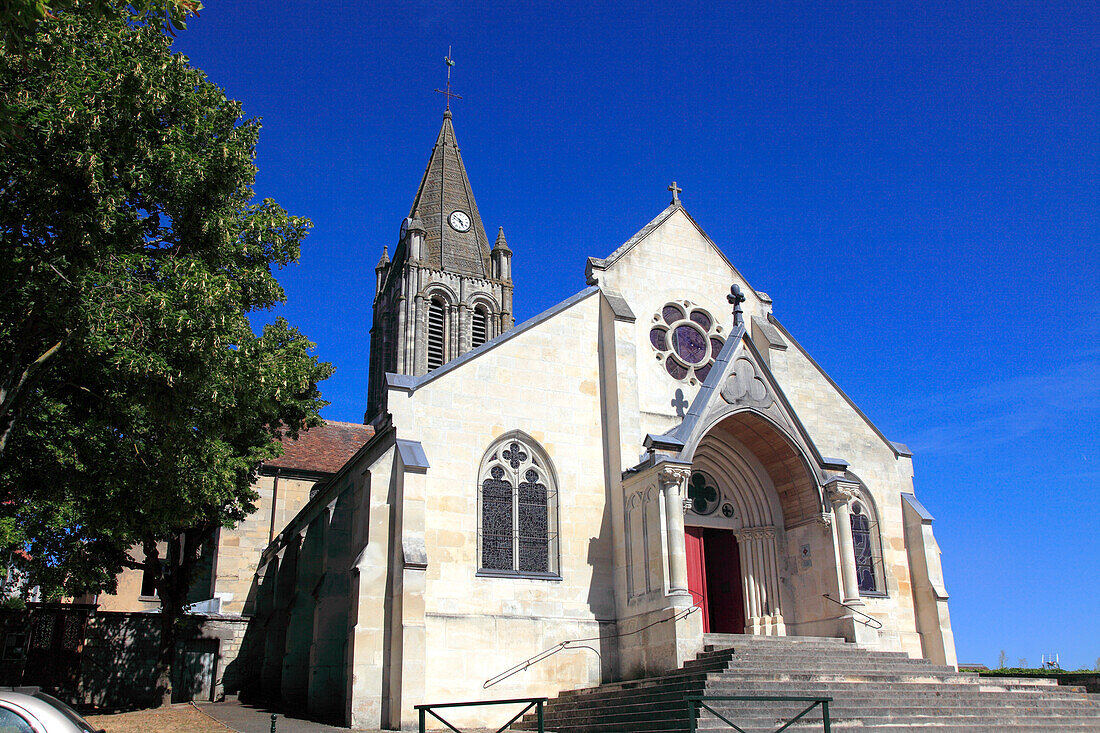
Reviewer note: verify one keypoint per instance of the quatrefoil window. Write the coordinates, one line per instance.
(515, 455)
(704, 493)
(686, 339)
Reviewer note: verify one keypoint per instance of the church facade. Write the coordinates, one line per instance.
(653, 459)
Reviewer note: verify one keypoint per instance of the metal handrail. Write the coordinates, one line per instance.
(576, 644)
(701, 701)
(873, 622)
(532, 702)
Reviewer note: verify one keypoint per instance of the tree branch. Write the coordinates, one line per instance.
(11, 398)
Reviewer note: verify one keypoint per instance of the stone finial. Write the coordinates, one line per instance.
(501, 243)
(676, 191)
(736, 298)
(385, 259)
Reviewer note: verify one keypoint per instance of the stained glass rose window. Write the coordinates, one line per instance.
(686, 339)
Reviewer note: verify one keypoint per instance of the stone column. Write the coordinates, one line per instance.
(464, 330)
(671, 478)
(420, 338)
(841, 493)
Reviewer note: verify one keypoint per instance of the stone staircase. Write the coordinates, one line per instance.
(882, 691)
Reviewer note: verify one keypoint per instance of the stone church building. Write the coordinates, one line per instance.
(653, 459)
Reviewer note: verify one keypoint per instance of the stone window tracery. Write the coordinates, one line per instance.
(517, 510)
(686, 339)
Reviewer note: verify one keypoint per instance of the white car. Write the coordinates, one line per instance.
(37, 712)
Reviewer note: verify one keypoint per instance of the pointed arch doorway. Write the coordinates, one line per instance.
(714, 578)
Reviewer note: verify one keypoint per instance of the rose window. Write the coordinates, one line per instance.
(687, 341)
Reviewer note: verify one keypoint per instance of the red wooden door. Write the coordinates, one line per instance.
(697, 571)
(725, 602)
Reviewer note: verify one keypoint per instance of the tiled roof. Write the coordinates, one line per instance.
(325, 448)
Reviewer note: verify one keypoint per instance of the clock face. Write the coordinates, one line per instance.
(404, 228)
(459, 221)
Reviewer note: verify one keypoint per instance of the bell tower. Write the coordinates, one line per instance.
(445, 291)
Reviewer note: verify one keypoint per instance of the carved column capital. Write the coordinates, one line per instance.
(673, 476)
(841, 493)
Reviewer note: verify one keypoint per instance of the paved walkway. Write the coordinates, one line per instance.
(245, 718)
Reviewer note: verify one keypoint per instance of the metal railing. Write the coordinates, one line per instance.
(532, 702)
(700, 702)
(871, 621)
(579, 644)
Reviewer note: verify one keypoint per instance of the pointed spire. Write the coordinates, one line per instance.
(385, 260)
(454, 238)
(501, 244)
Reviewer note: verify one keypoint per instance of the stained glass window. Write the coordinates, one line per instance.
(690, 344)
(518, 509)
(702, 318)
(686, 340)
(496, 521)
(657, 338)
(868, 556)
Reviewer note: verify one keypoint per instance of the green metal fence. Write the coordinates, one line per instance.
(699, 702)
(531, 702)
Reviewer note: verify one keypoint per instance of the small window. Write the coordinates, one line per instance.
(148, 581)
(868, 551)
(517, 506)
(479, 327)
(437, 314)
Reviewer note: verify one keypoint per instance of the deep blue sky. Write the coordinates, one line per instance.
(915, 184)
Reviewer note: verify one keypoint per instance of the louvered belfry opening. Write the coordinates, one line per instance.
(436, 334)
(480, 327)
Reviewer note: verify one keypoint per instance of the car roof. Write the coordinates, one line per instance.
(47, 714)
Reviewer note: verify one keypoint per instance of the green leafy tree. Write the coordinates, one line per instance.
(137, 402)
(20, 20)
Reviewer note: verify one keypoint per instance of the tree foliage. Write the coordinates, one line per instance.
(136, 402)
(20, 20)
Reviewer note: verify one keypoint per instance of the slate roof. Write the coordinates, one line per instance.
(323, 449)
(444, 189)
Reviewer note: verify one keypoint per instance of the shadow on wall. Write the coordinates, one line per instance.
(242, 675)
(118, 663)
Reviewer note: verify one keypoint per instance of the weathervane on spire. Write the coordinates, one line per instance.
(448, 93)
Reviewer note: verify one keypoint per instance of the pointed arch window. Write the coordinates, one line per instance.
(867, 544)
(517, 510)
(480, 326)
(437, 333)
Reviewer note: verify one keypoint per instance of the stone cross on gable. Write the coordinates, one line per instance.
(676, 191)
(736, 298)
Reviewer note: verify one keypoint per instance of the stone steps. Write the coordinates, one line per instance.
(880, 691)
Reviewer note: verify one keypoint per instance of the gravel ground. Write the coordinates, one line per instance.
(172, 719)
